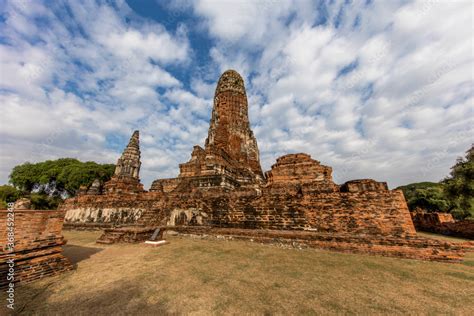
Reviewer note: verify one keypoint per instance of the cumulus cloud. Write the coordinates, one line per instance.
(380, 90)
(374, 89)
(84, 77)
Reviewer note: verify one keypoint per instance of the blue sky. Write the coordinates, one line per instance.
(374, 89)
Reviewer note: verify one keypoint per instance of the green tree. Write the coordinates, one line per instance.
(45, 183)
(58, 177)
(8, 194)
(41, 201)
(459, 186)
(426, 195)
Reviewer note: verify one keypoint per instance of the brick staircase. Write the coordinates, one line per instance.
(129, 234)
(110, 237)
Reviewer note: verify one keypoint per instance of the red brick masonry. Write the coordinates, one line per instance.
(38, 245)
(443, 223)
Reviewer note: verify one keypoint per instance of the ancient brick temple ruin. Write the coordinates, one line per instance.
(125, 178)
(222, 190)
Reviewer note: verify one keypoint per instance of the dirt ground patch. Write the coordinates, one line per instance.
(202, 277)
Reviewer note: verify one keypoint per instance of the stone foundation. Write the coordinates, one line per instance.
(408, 248)
(38, 245)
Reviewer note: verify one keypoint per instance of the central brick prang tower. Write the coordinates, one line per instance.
(230, 157)
(229, 128)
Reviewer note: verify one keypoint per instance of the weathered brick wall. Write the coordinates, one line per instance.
(373, 213)
(363, 185)
(164, 185)
(38, 245)
(274, 207)
(422, 218)
(112, 210)
(464, 229)
(442, 223)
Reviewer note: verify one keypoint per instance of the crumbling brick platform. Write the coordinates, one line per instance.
(38, 245)
(125, 235)
(407, 247)
(402, 247)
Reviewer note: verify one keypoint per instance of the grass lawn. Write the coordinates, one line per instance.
(195, 276)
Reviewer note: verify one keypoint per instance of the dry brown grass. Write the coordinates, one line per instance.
(194, 276)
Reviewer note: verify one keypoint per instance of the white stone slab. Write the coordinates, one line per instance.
(155, 243)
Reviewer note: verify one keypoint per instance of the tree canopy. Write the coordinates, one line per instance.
(8, 194)
(455, 194)
(58, 177)
(426, 195)
(46, 183)
(39, 201)
(459, 185)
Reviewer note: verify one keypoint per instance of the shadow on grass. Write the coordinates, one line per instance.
(76, 253)
(121, 298)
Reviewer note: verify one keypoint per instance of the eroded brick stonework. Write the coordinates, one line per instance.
(38, 245)
(298, 168)
(222, 187)
(363, 185)
(442, 223)
(229, 128)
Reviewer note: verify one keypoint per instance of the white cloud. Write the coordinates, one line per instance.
(92, 76)
(403, 114)
(232, 20)
(398, 109)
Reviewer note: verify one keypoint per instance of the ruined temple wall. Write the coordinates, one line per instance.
(110, 210)
(38, 245)
(422, 218)
(372, 213)
(442, 223)
(127, 215)
(363, 185)
(413, 247)
(32, 227)
(164, 185)
(369, 212)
